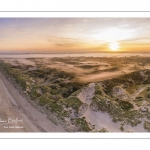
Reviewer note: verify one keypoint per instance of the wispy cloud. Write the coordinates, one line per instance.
(73, 33)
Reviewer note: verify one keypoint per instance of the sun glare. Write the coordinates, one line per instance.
(114, 46)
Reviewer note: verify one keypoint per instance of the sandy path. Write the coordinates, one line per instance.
(138, 92)
(18, 115)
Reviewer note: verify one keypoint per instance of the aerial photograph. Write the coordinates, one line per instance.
(75, 75)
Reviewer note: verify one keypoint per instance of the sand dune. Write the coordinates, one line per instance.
(55, 82)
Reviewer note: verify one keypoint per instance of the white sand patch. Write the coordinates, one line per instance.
(119, 92)
(101, 120)
(87, 93)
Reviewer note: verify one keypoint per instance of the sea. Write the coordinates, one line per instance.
(51, 55)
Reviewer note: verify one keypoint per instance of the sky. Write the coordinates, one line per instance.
(74, 35)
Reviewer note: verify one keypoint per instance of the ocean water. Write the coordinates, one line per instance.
(41, 55)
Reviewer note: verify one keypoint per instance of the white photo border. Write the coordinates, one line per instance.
(72, 14)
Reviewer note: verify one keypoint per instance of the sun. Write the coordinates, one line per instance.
(114, 46)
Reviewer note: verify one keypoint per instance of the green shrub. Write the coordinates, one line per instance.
(34, 93)
(44, 100)
(98, 90)
(103, 130)
(148, 95)
(147, 126)
(82, 124)
(125, 105)
(73, 102)
(122, 128)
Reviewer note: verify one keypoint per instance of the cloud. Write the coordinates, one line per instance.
(65, 44)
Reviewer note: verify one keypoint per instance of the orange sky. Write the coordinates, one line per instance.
(74, 34)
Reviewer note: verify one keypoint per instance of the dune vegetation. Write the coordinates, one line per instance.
(61, 86)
